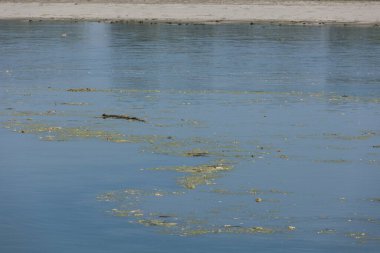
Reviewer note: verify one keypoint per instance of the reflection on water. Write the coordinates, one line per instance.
(252, 137)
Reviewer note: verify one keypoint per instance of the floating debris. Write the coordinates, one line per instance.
(291, 228)
(126, 117)
(258, 200)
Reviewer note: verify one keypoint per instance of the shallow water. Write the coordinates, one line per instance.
(257, 138)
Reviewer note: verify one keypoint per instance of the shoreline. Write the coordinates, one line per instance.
(288, 12)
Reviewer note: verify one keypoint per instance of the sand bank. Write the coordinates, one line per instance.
(351, 12)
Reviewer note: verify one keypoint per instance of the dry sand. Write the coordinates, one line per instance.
(348, 12)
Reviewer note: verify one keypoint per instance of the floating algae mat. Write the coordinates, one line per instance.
(203, 174)
(58, 133)
(132, 203)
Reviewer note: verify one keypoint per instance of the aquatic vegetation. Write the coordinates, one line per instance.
(326, 231)
(197, 152)
(357, 235)
(200, 175)
(333, 161)
(204, 168)
(32, 113)
(285, 157)
(127, 213)
(271, 191)
(64, 133)
(81, 89)
(198, 147)
(75, 103)
(227, 229)
(365, 135)
(59, 133)
(159, 223)
(145, 206)
(191, 182)
(128, 194)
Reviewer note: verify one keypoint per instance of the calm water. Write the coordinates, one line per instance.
(287, 118)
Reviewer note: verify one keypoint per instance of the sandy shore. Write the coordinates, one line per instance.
(350, 12)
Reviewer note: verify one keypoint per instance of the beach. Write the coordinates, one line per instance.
(195, 11)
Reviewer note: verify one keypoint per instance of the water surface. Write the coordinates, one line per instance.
(280, 123)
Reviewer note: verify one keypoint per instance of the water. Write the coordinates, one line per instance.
(289, 114)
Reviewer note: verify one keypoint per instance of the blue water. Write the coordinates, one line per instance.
(292, 109)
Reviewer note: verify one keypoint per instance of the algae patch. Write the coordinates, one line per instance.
(228, 229)
(127, 213)
(157, 223)
(199, 174)
(59, 133)
(197, 152)
(326, 231)
(81, 90)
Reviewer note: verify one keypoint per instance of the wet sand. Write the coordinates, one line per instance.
(240, 11)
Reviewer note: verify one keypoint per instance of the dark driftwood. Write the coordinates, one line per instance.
(115, 116)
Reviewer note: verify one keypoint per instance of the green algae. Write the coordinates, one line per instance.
(365, 135)
(227, 229)
(81, 90)
(64, 133)
(128, 194)
(333, 161)
(326, 231)
(203, 168)
(199, 175)
(360, 236)
(196, 152)
(75, 103)
(191, 182)
(270, 191)
(157, 223)
(32, 113)
(127, 213)
(195, 147)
